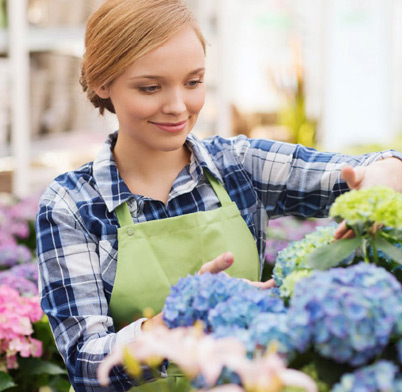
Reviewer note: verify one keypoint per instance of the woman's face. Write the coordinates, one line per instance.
(158, 98)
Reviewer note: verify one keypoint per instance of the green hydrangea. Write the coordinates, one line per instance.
(377, 204)
(294, 256)
(288, 285)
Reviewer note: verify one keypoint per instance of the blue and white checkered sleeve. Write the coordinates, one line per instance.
(72, 293)
(295, 180)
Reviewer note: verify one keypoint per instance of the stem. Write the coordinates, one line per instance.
(366, 258)
(375, 253)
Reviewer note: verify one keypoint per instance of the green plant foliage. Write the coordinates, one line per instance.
(6, 381)
(338, 251)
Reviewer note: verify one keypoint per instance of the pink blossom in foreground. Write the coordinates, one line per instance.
(269, 373)
(198, 354)
(189, 348)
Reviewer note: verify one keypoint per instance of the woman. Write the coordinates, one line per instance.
(157, 203)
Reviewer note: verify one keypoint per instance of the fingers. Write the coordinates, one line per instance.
(262, 285)
(221, 263)
(353, 176)
(113, 359)
(343, 232)
(153, 322)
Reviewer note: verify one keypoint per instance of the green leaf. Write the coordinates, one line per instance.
(6, 381)
(390, 250)
(359, 228)
(60, 384)
(332, 254)
(35, 366)
(395, 234)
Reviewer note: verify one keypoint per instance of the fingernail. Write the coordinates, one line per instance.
(227, 257)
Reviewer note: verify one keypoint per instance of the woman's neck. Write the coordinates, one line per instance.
(149, 172)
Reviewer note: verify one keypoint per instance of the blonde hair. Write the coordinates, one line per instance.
(120, 32)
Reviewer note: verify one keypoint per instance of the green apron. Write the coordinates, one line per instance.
(153, 255)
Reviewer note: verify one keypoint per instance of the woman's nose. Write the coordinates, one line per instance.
(175, 103)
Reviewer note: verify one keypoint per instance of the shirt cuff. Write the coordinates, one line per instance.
(129, 333)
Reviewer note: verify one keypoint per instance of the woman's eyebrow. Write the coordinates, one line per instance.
(195, 71)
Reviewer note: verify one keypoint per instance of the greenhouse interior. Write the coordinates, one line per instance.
(177, 128)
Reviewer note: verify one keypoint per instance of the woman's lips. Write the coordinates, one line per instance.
(171, 127)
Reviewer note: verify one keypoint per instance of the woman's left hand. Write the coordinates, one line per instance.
(387, 172)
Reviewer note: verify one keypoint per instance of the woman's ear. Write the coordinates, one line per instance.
(103, 92)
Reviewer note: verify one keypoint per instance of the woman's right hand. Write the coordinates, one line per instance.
(224, 261)
(219, 264)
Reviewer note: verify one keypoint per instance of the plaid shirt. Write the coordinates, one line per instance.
(77, 229)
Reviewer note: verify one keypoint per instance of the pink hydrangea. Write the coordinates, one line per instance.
(17, 314)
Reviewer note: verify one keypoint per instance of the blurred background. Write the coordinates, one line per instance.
(324, 73)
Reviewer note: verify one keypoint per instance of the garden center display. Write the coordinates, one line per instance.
(332, 323)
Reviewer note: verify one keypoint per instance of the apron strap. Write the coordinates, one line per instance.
(125, 219)
(219, 189)
(123, 215)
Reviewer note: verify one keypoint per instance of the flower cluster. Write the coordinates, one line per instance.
(377, 204)
(18, 269)
(348, 314)
(294, 256)
(13, 224)
(12, 254)
(288, 284)
(17, 315)
(21, 277)
(382, 376)
(217, 300)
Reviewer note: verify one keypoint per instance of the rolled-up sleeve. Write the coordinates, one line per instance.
(291, 179)
(73, 295)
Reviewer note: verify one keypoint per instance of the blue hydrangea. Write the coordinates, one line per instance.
(347, 314)
(382, 376)
(268, 328)
(236, 301)
(241, 334)
(294, 256)
(243, 307)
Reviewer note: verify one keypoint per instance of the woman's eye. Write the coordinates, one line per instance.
(149, 89)
(194, 83)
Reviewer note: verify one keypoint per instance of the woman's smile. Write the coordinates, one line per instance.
(173, 127)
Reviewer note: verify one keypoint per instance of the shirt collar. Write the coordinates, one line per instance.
(114, 190)
(200, 159)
